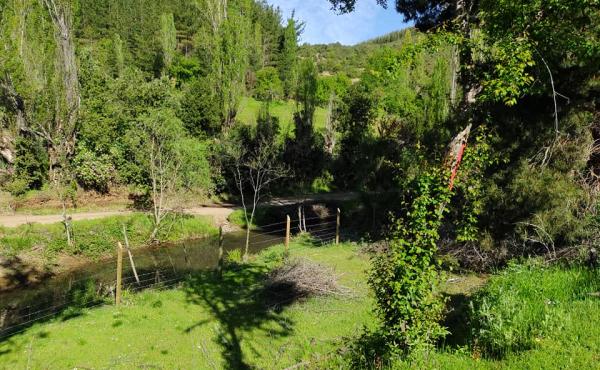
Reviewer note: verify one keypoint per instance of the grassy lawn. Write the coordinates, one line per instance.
(209, 323)
(284, 110)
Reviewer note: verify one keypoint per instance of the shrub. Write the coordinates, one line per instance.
(17, 186)
(234, 257)
(31, 162)
(92, 171)
(548, 208)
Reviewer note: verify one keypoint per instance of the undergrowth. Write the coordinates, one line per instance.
(526, 303)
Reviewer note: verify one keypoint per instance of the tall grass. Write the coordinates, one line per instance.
(526, 303)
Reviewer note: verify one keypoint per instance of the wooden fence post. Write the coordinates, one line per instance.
(220, 266)
(337, 228)
(119, 273)
(137, 279)
(288, 222)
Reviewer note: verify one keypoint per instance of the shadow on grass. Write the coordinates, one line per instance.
(457, 321)
(14, 320)
(240, 304)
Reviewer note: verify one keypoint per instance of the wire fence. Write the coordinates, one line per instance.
(75, 293)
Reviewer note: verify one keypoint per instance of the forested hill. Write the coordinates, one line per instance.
(143, 27)
(351, 60)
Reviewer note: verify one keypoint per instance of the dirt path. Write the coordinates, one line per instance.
(220, 215)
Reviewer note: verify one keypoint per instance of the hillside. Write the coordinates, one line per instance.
(352, 60)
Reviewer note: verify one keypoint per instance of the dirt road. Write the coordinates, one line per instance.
(220, 214)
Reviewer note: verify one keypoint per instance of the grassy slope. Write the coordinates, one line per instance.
(210, 324)
(94, 238)
(250, 107)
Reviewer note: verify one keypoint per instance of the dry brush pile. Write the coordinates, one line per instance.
(299, 279)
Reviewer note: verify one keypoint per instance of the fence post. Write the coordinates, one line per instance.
(287, 234)
(220, 266)
(137, 279)
(119, 273)
(337, 228)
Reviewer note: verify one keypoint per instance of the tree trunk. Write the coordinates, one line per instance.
(63, 136)
(247, 243)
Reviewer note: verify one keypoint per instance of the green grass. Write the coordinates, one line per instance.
(260, 217)
(284, 110)
(528, 316)
(209, 323)
(95, 238)
(532, 317)
(205, 324)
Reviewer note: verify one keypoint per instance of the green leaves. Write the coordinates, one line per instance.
(268, 85)
(405, 277)
(510, 76)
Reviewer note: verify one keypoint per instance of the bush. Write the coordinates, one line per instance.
(92, 171)
(31, 166)
(17, 186)
(234, 257)
(548, 208)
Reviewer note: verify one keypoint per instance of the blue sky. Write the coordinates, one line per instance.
(324, 26)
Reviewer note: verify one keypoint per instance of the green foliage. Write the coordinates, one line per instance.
(168, 38)
(267, 126)
(405, 277)
(551, 224)
(200, 109)
(288, 50)
(93, 172)
(234, 257)
(526, 303)
(184, 68)
(323, 183)
(471, 183)
(17, 186)
(510, 77)
(268, 85)
(31, 165)
(329, 86)
(304, 152)
(194, 168)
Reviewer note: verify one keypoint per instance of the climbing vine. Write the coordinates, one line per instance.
(404, 279)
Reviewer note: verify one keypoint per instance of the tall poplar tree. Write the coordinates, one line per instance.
(288, 57)
(168, 39)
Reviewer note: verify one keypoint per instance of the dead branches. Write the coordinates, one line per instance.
(302, 278)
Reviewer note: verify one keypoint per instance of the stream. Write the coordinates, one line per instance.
(94, 284)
